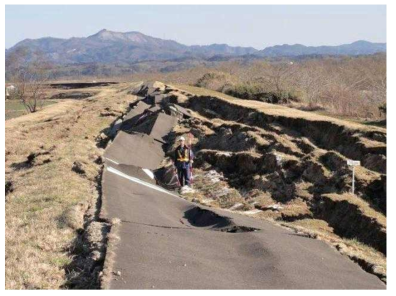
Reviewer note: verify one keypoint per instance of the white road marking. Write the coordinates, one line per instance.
(136, 180)
(149, 173)
(111, 160)
(252, 212)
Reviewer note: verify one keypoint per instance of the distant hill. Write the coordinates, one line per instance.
(108, 47)
(115, 47)
(356, 48)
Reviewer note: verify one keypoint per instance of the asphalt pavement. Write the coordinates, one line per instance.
(167, 242)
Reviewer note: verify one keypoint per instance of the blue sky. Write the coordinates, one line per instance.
(257, 26)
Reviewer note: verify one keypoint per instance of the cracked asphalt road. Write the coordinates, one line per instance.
(168, 243)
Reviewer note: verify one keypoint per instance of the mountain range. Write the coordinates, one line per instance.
(360, 47)
(108, 47)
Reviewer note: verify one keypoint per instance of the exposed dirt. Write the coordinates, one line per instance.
(72, 95)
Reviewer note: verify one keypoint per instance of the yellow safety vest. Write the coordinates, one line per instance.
(186, 157)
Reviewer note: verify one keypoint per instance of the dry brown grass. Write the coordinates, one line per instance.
(49, 200)
(222, 195)
(363, 206)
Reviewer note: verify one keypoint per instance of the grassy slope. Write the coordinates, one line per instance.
(49, 200)
(15, 109)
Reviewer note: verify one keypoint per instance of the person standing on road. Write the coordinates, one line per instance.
(183, 160)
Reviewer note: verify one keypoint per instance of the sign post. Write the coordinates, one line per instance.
(353, 163)
(278, 159)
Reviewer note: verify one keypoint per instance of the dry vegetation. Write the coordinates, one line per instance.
(351, 88)
(52, 166)
(347, 87)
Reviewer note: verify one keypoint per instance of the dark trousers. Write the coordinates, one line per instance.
(183, 172)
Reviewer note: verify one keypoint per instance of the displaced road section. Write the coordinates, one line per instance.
(169, 243)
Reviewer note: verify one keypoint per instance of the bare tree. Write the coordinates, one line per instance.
(311, 80)
(29, 78)
(277, 76)
(374, 71)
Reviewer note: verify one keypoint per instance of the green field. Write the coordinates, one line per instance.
(15, 108)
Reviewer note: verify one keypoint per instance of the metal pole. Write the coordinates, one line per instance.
(353, 179)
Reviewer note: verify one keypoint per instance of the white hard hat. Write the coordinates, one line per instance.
(182, 139)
